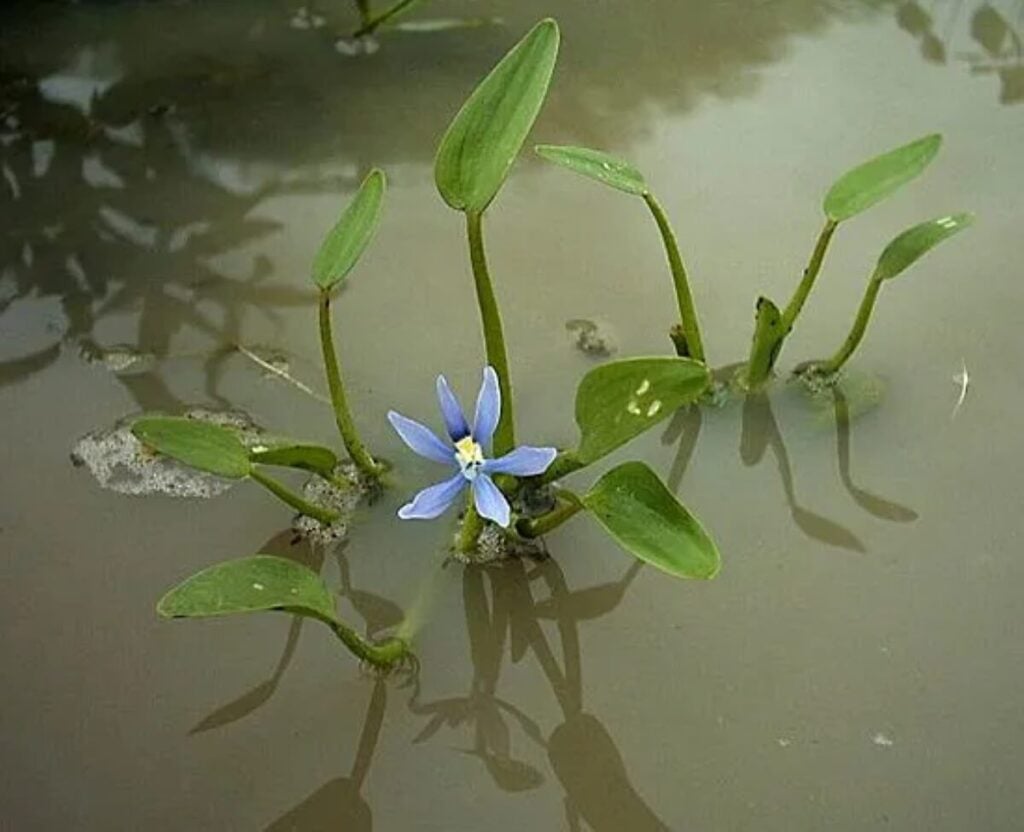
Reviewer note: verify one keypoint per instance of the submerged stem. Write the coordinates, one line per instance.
(342, 414)
(384, 654)
(860, 323)
(687, 339)
(370, 23)
(286, 495)
(494, 336)
(472, 526)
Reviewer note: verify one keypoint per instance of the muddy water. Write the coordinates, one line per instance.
(169, 171)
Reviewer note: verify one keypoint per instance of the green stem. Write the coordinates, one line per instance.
(364, 11)
(803, 289)
(494, 337)
(372, 23)
(472, 526)
(687, 338)
(285, 494)
(856, 333)
(384, 654)
(565, 463)
(768, 337)
(569, 505)
(342, 414)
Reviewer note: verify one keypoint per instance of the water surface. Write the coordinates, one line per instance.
(169, 171)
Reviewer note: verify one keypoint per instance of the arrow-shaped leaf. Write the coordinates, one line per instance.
(201, 445)
(598, 165)
(860, 188)
(346, 242)
(618, 401)
(914, 243)
(483, 141)
(253, 584)
(635, 508)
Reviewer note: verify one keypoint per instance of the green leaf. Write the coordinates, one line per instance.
(620, 400)
(914, 243)
(346, 242)
(596, 165)
(201, 445)
(483, 141)
(859, 189)
(291, 453)
(642, 515)
(253, 584)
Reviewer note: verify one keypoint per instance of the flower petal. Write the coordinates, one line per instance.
(488, 408)
(433, 501)
(421, 439)
(490, 502)
(524, 461)
(451, 411)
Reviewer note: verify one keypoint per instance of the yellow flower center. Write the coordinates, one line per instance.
(470, 456)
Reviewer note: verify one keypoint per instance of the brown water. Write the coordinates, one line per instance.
(858, 664)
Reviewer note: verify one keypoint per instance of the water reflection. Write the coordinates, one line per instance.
(137, 149)
(760, 433)
(994, 47)
(339, 804)
(378, 614)
(505, 608)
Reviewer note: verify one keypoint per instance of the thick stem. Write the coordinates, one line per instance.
(687, 339)
(472, 526)
(339, 401)
(384, 654)
(768, 336)
(494, 336)
(568, 506)
(803, 289)
(856, 333)
(373, 22)
(285, 494)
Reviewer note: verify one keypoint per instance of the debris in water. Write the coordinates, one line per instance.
(119, 359)
(275, 365)
(882, 740)
(121, 463)
(591, 337)
(962, 378)
(342, 496)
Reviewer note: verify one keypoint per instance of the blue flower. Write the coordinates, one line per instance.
(465, 454)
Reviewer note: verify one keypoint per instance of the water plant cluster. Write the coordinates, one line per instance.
(513, 493)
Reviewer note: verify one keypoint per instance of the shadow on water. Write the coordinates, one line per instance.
(378, 614)
(505, 608)
(137, 144)
(994, 32)
(339, 804)
(760, 433)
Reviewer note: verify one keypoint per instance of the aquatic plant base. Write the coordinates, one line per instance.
(495, 545)
(120, 462)
(342, 496)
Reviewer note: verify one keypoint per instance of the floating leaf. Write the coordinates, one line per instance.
(620, 400)
(915, 242)
(596, 165)
(253, 584)
(291, 453)
(642, 515)
(859, 189)
(346, 242)
(483, 141)
(202, 445)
